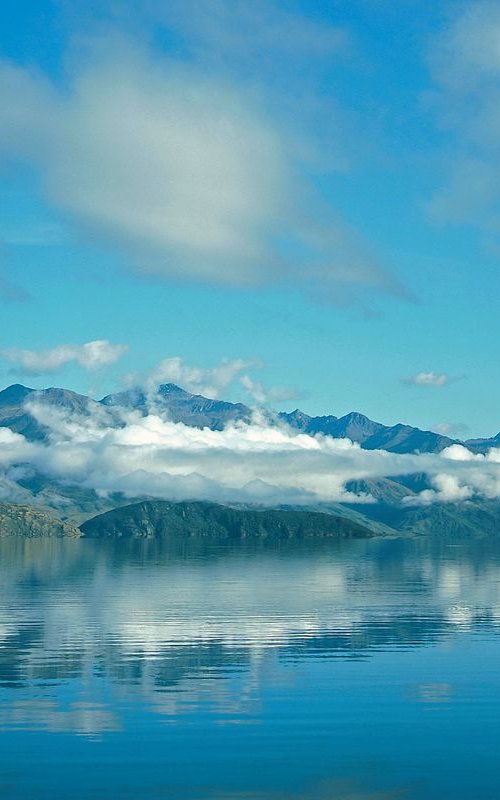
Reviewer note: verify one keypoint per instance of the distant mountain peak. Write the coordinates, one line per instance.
(15, 393)
(297, 414)
(58, 393)
(172, 389)
(358, 418)
(129, 398)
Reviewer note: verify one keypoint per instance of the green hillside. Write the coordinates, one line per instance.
(161, 518)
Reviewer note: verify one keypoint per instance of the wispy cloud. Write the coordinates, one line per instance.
(193, 174)
(10, 290)
(198, 380)
(237, 31)
(465, 66)
(33, 234)
(263, 395)
(90, 356)
(212, 381)
(454, 429)
(431, 379)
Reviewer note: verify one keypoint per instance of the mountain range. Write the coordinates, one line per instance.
(198, 411)
(43, 506)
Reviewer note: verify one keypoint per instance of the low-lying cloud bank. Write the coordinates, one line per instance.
(257, 462)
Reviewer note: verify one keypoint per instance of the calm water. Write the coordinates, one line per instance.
(327, 671)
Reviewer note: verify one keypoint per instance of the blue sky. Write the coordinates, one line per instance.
(307, 186)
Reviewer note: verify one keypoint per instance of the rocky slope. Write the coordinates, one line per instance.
(28, 522)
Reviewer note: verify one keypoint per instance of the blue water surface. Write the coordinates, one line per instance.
(215, 671)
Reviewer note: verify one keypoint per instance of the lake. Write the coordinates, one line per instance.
(354, 670)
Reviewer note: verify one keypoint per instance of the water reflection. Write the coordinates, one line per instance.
(148, 617)
(291, 645)
(326, 790)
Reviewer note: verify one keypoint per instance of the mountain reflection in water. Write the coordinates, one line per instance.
(349, 670)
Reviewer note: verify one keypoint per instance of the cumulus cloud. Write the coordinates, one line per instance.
(191, 175)
(211, 381)
(245, 462)
(461, 475)
(198, 380)
(14, 450)
(90, 356)
(427, 379)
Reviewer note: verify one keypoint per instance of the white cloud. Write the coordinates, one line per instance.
(452, 429)
(211, 381)
(253, 462)
(457, 452)
(262, 395)
(198, 380)
(461, 475)
(192, 176)
(467, 52)
(90, 356)
(153, 456)
(14, 449)
(428, 379)
(239, 31)
(465, 65)
(174, 165)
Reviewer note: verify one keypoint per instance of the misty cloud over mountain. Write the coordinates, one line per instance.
(174, 445)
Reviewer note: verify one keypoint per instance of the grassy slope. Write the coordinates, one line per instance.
(161, 518)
